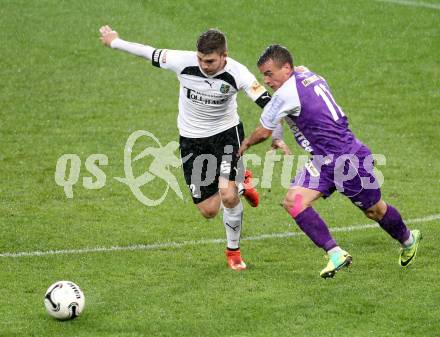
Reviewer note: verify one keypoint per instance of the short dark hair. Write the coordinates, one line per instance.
(212, 41)
(278, 54)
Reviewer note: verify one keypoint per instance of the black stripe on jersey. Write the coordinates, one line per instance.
(195, 71)
(155, 60)
(228, 78)
(263, 99)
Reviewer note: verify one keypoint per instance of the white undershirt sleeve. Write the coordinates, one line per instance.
(133, 48)
(285, 101)
(278, 133)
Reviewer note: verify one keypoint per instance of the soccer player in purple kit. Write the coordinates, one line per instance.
(338, 159)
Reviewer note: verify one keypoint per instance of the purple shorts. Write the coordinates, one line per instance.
(350, 174)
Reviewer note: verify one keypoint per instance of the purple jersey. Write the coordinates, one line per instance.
(315, 119)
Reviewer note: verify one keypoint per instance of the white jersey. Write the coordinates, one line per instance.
(208, 104)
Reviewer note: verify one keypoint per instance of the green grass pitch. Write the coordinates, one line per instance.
(62, 92)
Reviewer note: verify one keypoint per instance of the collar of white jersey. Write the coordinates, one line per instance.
(221, 71)
(292, 78)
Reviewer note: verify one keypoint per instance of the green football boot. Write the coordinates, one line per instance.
(408, 254)
(336, 261)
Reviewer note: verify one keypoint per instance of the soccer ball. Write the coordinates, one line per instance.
(64, 300)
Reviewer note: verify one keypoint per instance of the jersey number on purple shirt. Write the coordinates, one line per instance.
(328, 99)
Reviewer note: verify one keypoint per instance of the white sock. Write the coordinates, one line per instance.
(232, 219)
(240, 188)
(334, 250)
(409, 241)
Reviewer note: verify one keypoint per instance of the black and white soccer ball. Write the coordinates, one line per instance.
(64, 300)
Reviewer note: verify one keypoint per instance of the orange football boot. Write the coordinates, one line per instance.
(235, 262)
(250, 193)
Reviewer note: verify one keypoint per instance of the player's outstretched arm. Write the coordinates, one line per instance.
(110, 38)
(108, 35)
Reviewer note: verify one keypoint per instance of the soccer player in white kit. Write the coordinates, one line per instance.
(209, 126)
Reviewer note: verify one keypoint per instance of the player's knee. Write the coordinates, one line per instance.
(371, 214)
(229, 199)
(289, 202)
(294, 204)
(208, 213)
(377, 211)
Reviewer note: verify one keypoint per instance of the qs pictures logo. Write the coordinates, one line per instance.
(149, 177)
(160, 158)
(163, 158)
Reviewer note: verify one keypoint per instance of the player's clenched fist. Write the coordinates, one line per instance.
(107, 35)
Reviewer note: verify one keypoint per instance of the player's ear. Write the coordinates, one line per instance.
(287, 67)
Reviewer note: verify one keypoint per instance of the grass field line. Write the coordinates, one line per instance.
(413, 3)
(162, 245)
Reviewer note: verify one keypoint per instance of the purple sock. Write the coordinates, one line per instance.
(315, 228)
(393, 224)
